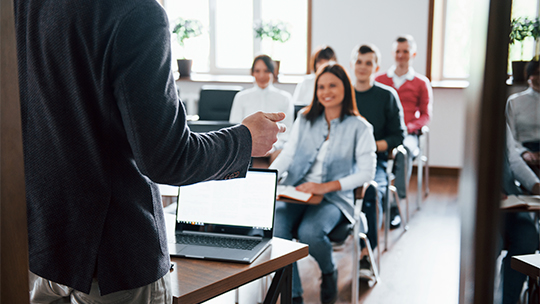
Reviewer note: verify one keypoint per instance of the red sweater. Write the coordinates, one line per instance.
(416, 98)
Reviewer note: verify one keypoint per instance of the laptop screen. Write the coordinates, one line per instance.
(235, 203)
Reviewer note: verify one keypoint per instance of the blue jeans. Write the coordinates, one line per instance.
(311, 225)
(519, 237)
(411, 144)
(369, 207)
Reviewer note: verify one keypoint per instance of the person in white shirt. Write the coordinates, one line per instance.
(519, 234)
(523, 117)
(264, 97)
(303, 94)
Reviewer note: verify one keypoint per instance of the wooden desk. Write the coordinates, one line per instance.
(195, 281)
(530, 265)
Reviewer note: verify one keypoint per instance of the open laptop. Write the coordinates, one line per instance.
(227, 220)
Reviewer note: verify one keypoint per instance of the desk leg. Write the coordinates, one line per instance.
(281, 285)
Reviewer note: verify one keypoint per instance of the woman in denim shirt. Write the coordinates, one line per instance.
(331, 151)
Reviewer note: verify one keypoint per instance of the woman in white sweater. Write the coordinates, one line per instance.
(264, 97)
(303, 94)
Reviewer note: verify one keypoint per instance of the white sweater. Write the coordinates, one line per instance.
(269, 99)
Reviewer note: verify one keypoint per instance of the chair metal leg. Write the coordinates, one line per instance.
(378, 239)
(236, 295)
(387, 219)
(419, 193)
(426, 159)
(406, 165)
(405, 224)
(356, 264)
(426, 176)
(374, 267)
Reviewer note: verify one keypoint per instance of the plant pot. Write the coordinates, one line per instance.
(184, 67)
(276, 69)
(518, 71)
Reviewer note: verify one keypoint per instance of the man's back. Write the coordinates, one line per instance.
(101, 122)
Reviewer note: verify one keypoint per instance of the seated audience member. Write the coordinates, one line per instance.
(416, 96)
(264, 97)
(303, 94)
(331, 151)
(523, 116)
(519, 234)
(380, 105)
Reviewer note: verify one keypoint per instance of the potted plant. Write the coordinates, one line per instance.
(535, 33)
(521, 28)
(185, 29)
(277, 31)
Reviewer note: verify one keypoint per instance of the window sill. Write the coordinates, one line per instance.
(450, 84)
(196, 77)
(295, 79)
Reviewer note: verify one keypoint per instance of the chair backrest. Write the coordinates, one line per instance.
(215, 102)
(296, 109)
(203, 126)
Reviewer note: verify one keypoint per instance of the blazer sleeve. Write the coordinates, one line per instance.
(511, 120)
(521, 170)
(163, 147)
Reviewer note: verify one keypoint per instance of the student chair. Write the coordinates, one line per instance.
(391, 189)
(215, 102)
(296, 109)
(203, 126)
(358, 230)
(422, 162)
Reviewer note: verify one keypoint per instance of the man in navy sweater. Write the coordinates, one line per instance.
(101, 125)
(380, 105)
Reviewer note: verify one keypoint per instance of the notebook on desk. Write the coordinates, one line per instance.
(227, 220)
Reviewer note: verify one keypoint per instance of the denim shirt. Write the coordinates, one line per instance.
(350, 158)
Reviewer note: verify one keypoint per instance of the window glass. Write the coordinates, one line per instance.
(197, 48)
(457, 45)
(293, 53)
(453, 61)
(529, 9)
(228, 44)
(234, 34)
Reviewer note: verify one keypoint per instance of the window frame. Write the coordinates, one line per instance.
(257, 4)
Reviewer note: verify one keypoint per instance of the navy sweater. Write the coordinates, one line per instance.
(381, 107)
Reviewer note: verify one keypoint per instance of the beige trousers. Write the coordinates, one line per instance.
(44, 291)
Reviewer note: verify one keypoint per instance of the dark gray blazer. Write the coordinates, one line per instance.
(101, 124)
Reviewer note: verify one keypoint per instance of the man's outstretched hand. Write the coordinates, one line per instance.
(264, 128)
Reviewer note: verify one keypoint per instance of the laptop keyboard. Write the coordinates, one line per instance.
(223, 242)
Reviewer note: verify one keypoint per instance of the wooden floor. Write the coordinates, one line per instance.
(420, 266)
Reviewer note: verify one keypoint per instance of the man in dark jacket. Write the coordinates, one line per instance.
(101, 125)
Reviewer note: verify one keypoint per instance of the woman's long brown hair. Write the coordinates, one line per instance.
(348, 106)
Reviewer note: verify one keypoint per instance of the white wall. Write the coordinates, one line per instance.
(447, 128)
(345, 23)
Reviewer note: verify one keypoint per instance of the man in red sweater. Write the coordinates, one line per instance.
(416, 97)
